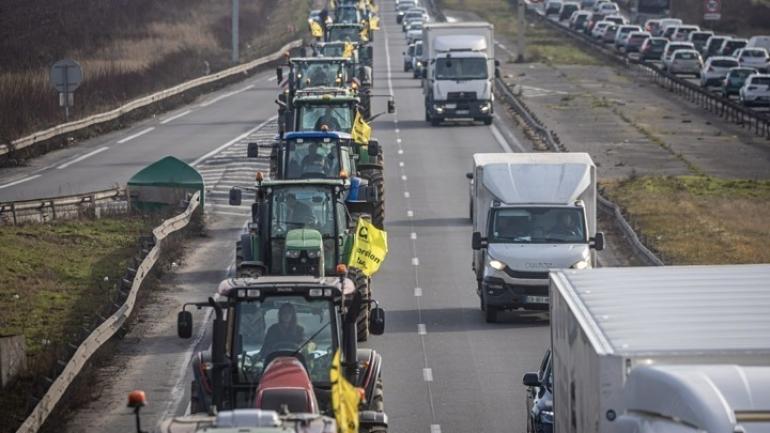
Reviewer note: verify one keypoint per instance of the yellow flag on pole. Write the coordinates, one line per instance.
(374, 23)
(364, 33)
(316, 30)
(347, 51)
(370, 247)
(345, 398)
(361, 132)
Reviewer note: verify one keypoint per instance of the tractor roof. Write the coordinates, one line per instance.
(320, 60)
(358, 25)
(284, 285)
(275, 183)
(342, 96)
(317, 135)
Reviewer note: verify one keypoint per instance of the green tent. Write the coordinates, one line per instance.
(164, 183)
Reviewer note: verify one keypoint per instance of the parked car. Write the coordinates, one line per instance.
(682, 33)
(598, 30)
(552, 7)
(756, 58)
(617, 19)
(652, 26)
(755, 91)
(652, 49)
(735, 79)
(634, 41)
(713, 44)
(715, 70)
(666, 22)
(578, 20)
(595, 18)
(673, 46)
(685, 62)
(408, 55)
(609, 8)
(567, 8)
(540, 397)
(762, 41)
(608, 36)
(731, 45)
(622, 35)
(699, 39)
(587, 4)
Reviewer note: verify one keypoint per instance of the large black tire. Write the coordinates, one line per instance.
(378, 396)
(195, 403)
(362, 286)
(490, 313)
(376, 179)
(487, 120)
(435, 121)
(244, 255)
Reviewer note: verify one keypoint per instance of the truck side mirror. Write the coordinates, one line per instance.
(497, 63)
(497, 73)
(184, 325)
(469, 176)
(530, 379)
(279, 74)
(252, 151)
(424, 73)
(235, 197)
(477, 242)
(391, 106)
(373, 148)
(377, 321)
(597, 242)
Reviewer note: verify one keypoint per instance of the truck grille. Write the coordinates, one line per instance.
(461, 96)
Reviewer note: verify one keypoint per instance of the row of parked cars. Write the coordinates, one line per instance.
(729, 65)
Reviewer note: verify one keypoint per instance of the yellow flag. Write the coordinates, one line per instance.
(374, 23)
(361, 132)
(316, 30)
(370, 247)
(347, 51)
(364, 33)
(345, 399)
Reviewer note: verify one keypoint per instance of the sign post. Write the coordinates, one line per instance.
(712, 10)
(66, 76)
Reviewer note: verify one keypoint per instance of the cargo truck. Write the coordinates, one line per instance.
(680, 349)
(460, 69)
(531, 212)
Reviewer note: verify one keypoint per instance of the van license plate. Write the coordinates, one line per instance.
(536, 299)
(461, 112)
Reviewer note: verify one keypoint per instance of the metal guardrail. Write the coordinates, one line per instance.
(113, 200)
(552, 141)
(76, 125)
(109, 327)
(721, 106)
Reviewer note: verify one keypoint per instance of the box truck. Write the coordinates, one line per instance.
(531, 212)
(680, 349)
(460, 71)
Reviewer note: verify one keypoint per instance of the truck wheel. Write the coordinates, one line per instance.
(488, 120)
(375, 177)
(435, 121)
(362, 286)
(490, 313)
(427, 115)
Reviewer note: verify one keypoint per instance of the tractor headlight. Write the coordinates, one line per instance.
(497, 265)
(292, 254)
(313, 254)
(583, 264)
(546, 416)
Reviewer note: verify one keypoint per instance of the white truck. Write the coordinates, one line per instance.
(460, 71)
(680, 349)
(531, 212)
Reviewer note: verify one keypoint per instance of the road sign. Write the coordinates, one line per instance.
(712, 10)
(66, 75)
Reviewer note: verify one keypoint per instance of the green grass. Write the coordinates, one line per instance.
(543, 44)
(52, 275)
(698, 219)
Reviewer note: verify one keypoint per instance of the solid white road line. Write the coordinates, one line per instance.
(140, 133)
(508, 136)
(427, 374)
(226, 95)
(273, 78)
(26, 179)
(233, 141)
(435, 428)
(82, 157)
(174, 117)
(500, 139)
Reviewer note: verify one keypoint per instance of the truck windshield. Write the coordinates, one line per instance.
(336, 117)
(283, 323)
(312, 159)
(538, 225)
(473, 68)
(319, 74)
(309, 207)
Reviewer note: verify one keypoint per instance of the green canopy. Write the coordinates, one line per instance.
(164, 183)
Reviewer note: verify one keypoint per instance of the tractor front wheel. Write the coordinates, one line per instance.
(376, 179)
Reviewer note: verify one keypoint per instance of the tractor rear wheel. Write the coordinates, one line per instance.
(378, 397)
(245, 255)
(376, 179)
(361, 283)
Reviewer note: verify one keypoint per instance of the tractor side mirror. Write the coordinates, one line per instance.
(497, 72)
(279, 74)
(424, 73)
(469, 176)
(530, 379)
(184, 324)
(252, 151)
(597, 242)
(497, 63)
(477, 242)
(391, 106)
(377, 321)
(236, 197)
(373, 148)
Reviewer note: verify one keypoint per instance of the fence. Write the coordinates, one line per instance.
(110, 326)
(107, 202)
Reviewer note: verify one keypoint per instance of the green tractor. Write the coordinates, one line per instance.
(273, 344)
(354, 33)
(301, 227)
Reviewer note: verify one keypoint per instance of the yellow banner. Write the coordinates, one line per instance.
(370, 247)
(316, 30)
(364, 33)
(345, 399)
(361, 132)
(374, 23)
(347, 51)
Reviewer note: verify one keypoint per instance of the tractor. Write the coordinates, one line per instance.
(273, 342)
(301, 227)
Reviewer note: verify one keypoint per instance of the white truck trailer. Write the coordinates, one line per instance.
(681, 349)
(460, 71)
(531, 212)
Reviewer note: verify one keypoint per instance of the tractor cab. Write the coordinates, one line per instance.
(305, 73)
(273, 344)
(347, 14)
(334, 111)
(313, 155)
(351, 32)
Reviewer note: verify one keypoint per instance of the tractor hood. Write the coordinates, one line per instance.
(303, 239)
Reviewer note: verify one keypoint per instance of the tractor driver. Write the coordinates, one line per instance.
(286, 334)
(313, 162)
(327, 119)
(300, 214)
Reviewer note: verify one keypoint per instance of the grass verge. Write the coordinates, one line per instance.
(543, 44)
(697, 219)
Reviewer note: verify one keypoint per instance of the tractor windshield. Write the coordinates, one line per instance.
(308, 159)
(298, 207)
(346, 33)
(280, 325)
(347, 15)
(315, 74)
(336, 117)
